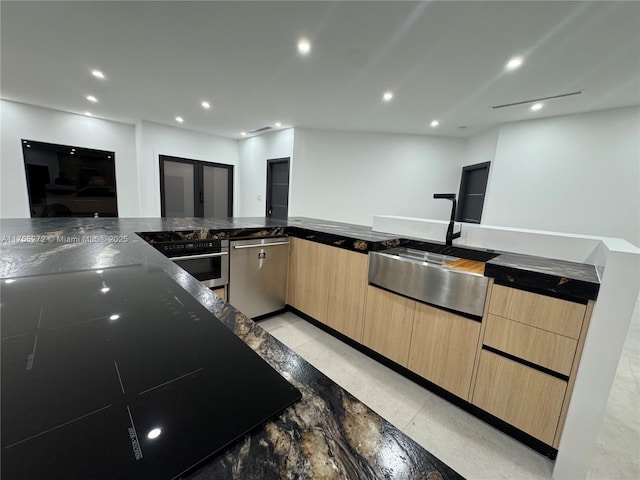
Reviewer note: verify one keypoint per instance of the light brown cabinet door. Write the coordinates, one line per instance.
(388, 322)
(522, 396)
(443, 348)
(347, 291)
(221, 292)
(309, 268)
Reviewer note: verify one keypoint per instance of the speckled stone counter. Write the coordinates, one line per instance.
(328, 434)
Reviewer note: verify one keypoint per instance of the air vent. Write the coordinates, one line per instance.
(258, 130)
(533, 100)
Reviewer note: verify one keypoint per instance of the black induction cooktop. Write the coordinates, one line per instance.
(120, 373)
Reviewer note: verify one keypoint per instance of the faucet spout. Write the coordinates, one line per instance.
(450, 235)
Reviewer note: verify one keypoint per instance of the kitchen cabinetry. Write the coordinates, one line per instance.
(308, 281)
(347, 291)
(221, 292)
(388, 323)
(443, 348)
(530, 354)
(522, 396)
(328, 284)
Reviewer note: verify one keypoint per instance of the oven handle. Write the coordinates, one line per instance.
(195, 257)
(261, 245)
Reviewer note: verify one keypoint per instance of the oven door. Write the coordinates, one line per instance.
(212, 269)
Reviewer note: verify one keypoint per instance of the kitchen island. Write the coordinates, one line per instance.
(328, 434)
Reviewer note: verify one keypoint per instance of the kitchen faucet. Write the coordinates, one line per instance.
(450, 234)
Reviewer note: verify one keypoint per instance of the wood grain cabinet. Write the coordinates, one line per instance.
(443, 348)
(328, 284)
(347, 291)
(522, 396)
(530, 354)
(308, 281)
(388, 324)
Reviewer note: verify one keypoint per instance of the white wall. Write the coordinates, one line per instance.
(51, 126)
(253, 155)
(574, 174)
(153, 140)
(351, 176)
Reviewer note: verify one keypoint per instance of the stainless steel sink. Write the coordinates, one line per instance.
(422, 276)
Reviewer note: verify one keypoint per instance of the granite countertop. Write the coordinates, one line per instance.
(328, 434)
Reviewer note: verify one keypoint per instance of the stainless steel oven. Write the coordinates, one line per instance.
(207, 260)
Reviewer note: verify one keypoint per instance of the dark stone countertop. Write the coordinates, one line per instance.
(328, 434)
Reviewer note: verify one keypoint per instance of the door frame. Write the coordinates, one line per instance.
(270, 162)
(198, 193)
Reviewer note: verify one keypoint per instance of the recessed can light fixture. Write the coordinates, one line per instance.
(115, 316)
(91, 98)
(179, 119)
(278, 124)
(434, 123)
(304, 46)
(155, 433)
(97, 74)
(387, 96)
(88, 114)
(515, 62)
(537, 106)
(206, 105)
(244, 134)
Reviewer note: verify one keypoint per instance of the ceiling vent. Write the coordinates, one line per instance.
(534, 100)
(260, 130)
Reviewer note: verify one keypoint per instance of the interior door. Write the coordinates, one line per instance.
(190, 188)
(177, 188)
(278, 188)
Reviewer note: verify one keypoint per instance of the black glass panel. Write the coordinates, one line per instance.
(120, 373)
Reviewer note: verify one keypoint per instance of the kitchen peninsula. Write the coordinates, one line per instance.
(329, 431)
(327, 434)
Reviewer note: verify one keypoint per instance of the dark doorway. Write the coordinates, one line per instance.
(278, 188)
(190, 188)
(473, 187)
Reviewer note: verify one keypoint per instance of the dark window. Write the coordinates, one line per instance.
(66, 181)
(473, 187)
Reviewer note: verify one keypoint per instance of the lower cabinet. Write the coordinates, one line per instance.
(328, 284)
(443, 348)
(388, 323)
(521, 396)
(221, 292)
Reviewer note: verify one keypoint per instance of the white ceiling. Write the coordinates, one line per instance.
(443, 60)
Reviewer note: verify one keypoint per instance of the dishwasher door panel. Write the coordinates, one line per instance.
(258, 275)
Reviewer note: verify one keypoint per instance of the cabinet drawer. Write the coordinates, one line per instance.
(553, 314)
(538, 346)
(524, 397)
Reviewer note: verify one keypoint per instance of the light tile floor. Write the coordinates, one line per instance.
(470, 446)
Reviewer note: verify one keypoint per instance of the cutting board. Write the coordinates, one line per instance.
(466, 265)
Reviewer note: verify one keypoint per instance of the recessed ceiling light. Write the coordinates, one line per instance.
(91, 98)
(244, 134)
(387, 96)
(206, 105)
(514, 63)
(97, 74)
(88, 114)
(304, 46)
(435, 123)
(155, 433)
(105, 289)
(179, 119)
(278, 124)
(115, 316)
(537, 106)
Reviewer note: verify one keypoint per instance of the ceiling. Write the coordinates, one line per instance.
(442, 60)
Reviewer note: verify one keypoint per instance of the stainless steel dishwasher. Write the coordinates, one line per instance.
(258, 275)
